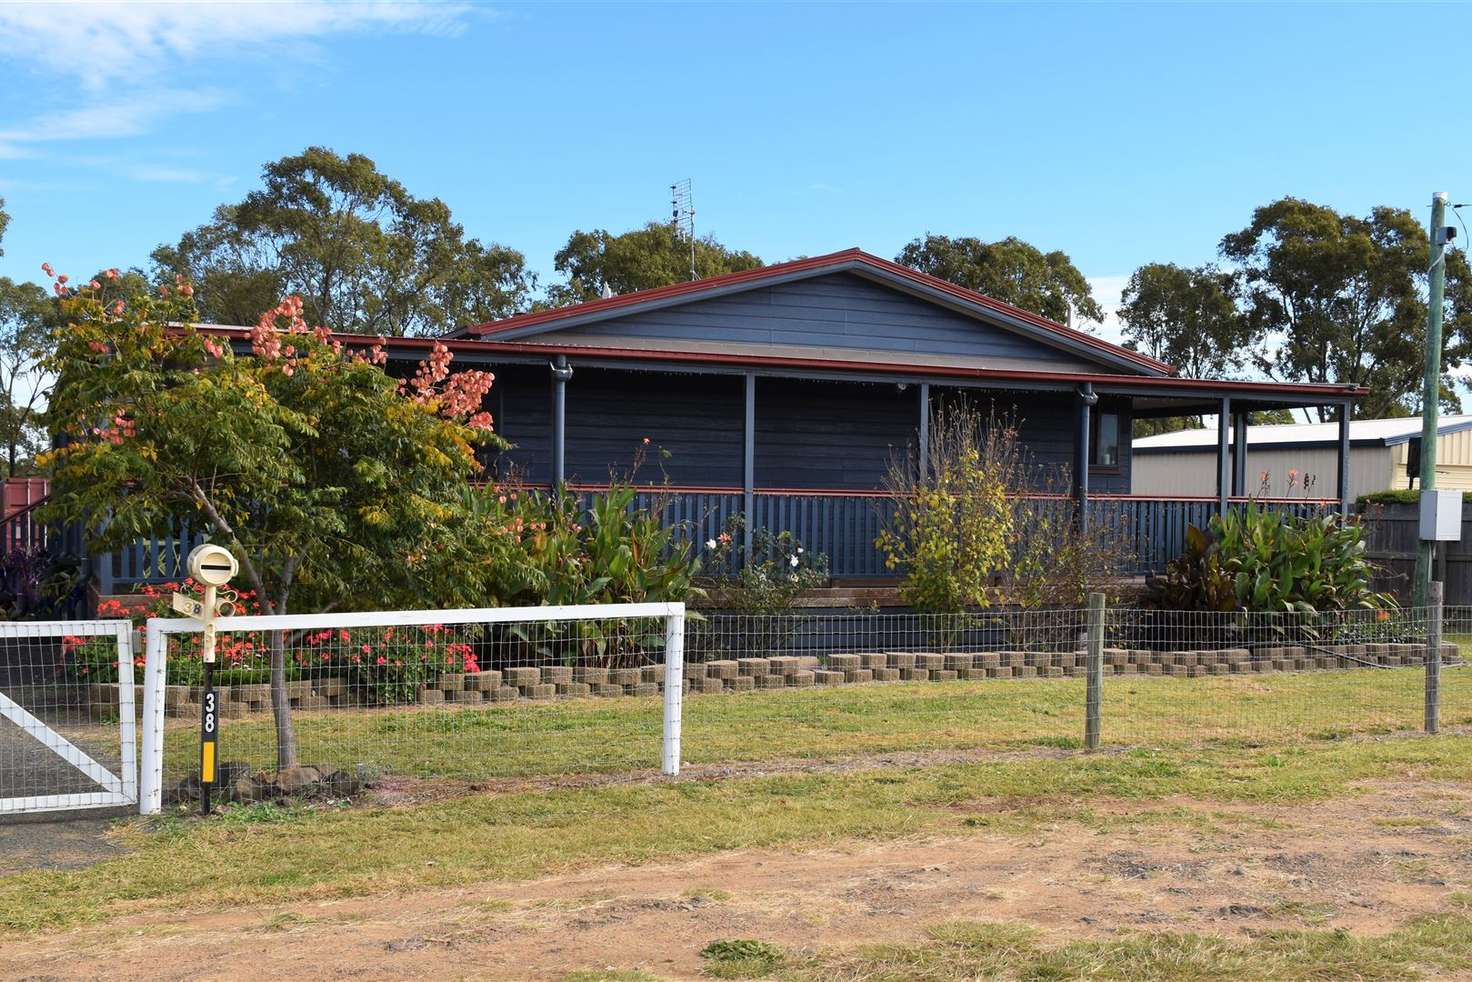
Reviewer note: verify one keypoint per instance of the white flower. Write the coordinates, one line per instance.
(794, 562)
(710, 543)
(799, 550)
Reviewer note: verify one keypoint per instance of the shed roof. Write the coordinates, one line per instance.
(1376, 432)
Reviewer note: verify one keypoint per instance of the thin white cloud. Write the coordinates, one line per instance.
(100, 44)
(109, 119)
(1108, 291)
(119, 66)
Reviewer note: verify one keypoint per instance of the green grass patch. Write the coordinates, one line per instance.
(963, 951)
(1407, 822)
(740, 958)
(1303, 910)
(609, 975)
(314, 853)
(612, 735)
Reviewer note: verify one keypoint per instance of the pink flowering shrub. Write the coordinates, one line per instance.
(386, 665)
(383, 665)
(239, 658)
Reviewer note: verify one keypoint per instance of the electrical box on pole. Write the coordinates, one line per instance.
(1441, 516)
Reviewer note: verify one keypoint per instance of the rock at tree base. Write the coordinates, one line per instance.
(237, 783)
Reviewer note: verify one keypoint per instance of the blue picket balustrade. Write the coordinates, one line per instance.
(840, 524)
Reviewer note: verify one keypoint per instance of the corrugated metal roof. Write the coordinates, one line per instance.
(1383, 431)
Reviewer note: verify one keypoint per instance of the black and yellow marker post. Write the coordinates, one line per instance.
(212, 566)
(209, 732)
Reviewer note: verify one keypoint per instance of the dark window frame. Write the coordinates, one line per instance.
(1095, 466)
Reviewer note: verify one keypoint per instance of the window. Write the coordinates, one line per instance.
(1106, 440)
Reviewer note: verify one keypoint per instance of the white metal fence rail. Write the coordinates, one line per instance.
(548, 633)
(56, 721)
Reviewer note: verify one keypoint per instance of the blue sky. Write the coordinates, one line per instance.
(1120, 134)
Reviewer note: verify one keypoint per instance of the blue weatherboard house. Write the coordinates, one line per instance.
(782, 392)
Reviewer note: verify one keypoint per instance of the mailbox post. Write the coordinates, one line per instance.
(211, 566)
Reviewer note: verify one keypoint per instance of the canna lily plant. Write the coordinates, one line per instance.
(1261, 561)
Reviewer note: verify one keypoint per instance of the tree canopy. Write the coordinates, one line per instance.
(1187, 318)
(1342, 299)
(25, 313)
(25, 310)
(331, 481)
(1009, 270)
(640, 259)
(364, 254)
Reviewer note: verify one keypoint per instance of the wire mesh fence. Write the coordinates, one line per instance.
(1455, 690)
(465, 696)
(67, 722)
(831, 684)
(1020, 677)
(1261, 678)
(450, 696)
(473, 701)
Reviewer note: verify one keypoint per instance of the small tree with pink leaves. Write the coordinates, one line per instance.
(334, 484)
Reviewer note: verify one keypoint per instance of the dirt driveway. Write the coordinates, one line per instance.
(1365, 864)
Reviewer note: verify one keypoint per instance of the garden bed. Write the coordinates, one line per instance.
(550, 682)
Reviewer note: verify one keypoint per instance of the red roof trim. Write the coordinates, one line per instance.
(890, 368)
(880, 493)
(883, 368)
(518, 321)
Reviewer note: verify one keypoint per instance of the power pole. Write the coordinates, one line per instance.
(1431, 383)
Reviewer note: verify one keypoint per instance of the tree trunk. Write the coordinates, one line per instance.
(281, 704)
(286, 751)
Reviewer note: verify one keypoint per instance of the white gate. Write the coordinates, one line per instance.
(66, 742)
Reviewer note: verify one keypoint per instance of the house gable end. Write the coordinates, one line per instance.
(858, 312)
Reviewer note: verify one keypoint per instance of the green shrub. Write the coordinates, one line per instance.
(764, 587)
(740, 958)
(527, 547)
(951, 531)
(778, 571)
(1400, 496)
(1259, 560)
(985, 522)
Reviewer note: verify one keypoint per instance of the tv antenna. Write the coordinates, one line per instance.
(682, 217)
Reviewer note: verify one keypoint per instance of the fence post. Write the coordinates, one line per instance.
(127, 707)
(1095, 670)
(1433, 655)
(151, 763)
(674, 687)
